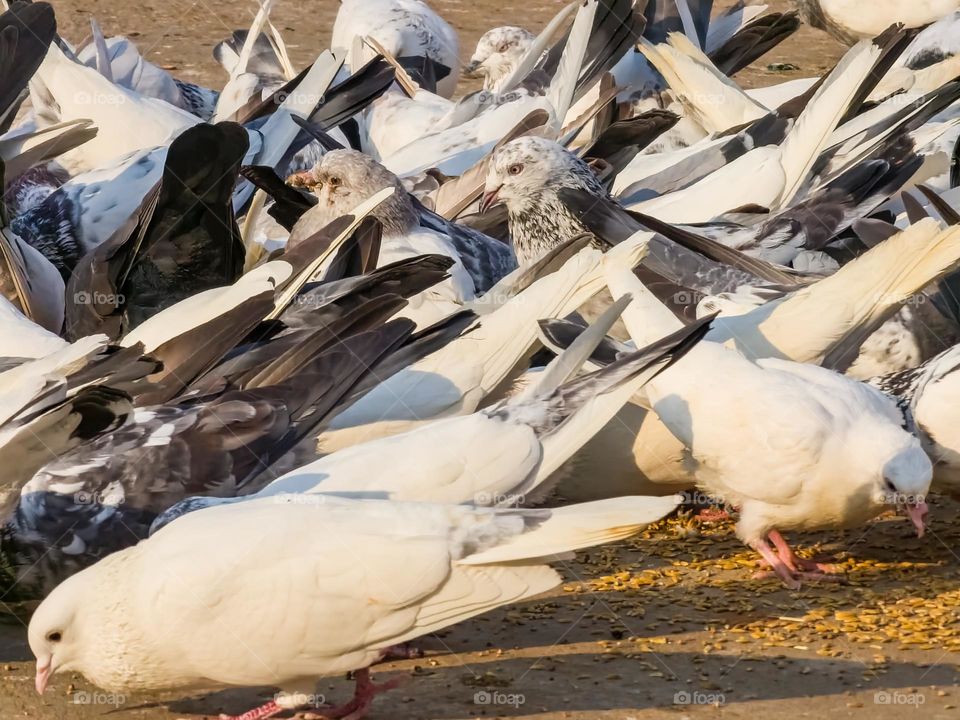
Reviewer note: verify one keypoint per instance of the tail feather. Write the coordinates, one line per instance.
(826, 322)
(591, 401)
(575, 527)
(754, 41)
(826, 109)
(563, 86)
(715, 101)
(568, 363)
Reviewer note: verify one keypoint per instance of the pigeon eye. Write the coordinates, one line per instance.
(515, 169)
(54, 636)
(334, 181)
(503, 47)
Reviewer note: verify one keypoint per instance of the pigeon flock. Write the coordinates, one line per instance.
(297, 371)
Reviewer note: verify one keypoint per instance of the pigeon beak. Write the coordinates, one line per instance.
(43, 675)
(917, 512)
(470, 70)
(304, 180)
(490, 199)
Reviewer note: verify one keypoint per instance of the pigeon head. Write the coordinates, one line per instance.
(345, 178)
(906, 479)
(54, 633)
(526, 175)
(498, 53)
(525, 169)
(899, 474)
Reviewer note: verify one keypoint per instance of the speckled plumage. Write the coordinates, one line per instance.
(928, 396)
(498, 53)
(44, 218)
(102, 496)
(197, 100)
(539, 221)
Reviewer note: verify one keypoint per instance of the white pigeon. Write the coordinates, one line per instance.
(792, 446)
(379, 574)
(405, 29)
(498, 53)
(127, 121)
(851, 20)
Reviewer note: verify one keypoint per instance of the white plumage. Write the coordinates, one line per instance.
(379, 574)
(405, 28)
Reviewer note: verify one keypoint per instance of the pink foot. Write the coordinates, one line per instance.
(787, 566)
(267, 710)
(363, 696)
(782, 570)
(795, 562)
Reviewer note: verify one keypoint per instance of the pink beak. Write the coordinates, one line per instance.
(43, 676)
(917, 512)
(489, 199)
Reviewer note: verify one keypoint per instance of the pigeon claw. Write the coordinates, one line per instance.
(364, 693)
(788, 566)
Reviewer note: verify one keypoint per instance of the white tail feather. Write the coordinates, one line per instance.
(579, 526)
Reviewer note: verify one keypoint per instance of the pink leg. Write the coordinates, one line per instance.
(259, 713)
(779, 567)
(794, 562)
(363, 696)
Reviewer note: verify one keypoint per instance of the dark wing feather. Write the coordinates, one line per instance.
(623, 140)
(289, 203)
(679, 259)
(754, 40)
(26, 31)
(182, 240)
(353, 95)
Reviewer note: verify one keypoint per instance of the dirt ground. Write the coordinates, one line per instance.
(669, 625)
